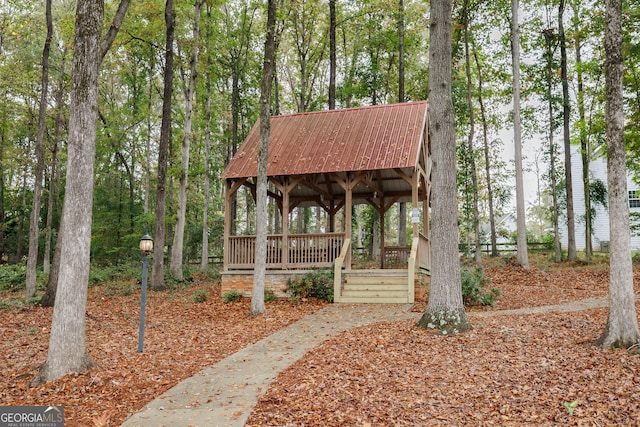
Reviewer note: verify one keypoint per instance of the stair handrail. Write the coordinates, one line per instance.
(411, 273)
(337, 269)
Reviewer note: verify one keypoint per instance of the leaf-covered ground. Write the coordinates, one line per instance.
(182, 337)
(527, 370)
(509, 370)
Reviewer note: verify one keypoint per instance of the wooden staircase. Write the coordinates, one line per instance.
(375, 286)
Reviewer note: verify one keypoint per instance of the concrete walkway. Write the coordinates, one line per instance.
(225, 394)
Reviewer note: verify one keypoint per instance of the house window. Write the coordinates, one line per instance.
(634, 199)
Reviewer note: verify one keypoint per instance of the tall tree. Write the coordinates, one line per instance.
(571, 227)
(523, 255)
(257, 293)
(445, 310)
(555, 214)
(67, 344)
(177, 248)
(34, 227)
(621, 330)
(332, 54)
(470, 137)
(402, 207)
(204, 257)
(487, 157)
(585, 151)
(157, 271)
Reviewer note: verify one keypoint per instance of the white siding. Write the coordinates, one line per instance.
(598, 170)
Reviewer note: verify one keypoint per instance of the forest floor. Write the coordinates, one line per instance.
(526, 369)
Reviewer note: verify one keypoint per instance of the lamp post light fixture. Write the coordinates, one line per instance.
(146, 246)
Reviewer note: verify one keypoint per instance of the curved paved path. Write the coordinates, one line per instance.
(225, 394)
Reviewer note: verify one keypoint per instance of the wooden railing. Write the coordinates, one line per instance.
(424, 252)
(396, 256)
(303, 251)
(337, 270)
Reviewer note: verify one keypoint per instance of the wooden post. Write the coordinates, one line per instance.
(285, 223)
(227, 225)
(347, 218)
(414, 200)
(382, 213)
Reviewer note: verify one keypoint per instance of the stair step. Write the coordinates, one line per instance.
(378, 291)
(376, 300)
(376, 287)
(376, 280)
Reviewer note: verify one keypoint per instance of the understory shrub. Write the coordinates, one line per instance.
(314, 284)
(232, 296)
(12, 277)
(200, 295)
(473, 288)
(269, 296)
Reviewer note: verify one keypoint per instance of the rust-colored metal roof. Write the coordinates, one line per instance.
(354, 139)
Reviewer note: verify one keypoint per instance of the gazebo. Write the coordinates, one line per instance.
(335, 159)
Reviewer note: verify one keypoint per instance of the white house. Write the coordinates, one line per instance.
(600, 227)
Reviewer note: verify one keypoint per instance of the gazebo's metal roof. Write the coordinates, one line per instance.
(355, 139)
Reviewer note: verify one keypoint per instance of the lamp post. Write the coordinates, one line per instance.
(146, 246)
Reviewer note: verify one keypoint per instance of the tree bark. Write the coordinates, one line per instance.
(157, 271)
(470, 149)
(67, 344)
(445, 310)
(571, 226)
(621, 330)
(402, 207)
(487, 160)
(585, 150)
(555, 215)
(257, 292)
(523, 255)
(177, 249)
(332, 55)
(204, 257)
(34, 224)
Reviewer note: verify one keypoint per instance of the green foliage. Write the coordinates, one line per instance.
(124, 272)
(315, 284)
(571, 406)
(18, 303)
(232, 296)
(12, 277)
(473, 288)
(269, 296)
(200, 295)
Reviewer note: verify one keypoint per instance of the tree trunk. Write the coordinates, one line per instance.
(402, 207)
(523, 255)
(67, 345)
(178, 236)
(2, 213)
(472, 161)
(585, 150)
(204, 257)
(332, 55)
(571, 227)
(621, 330)
(445, 310)
(53, 176)
(257, 293)
(555, 215)
(34, 224)
(157, 271)
(487, 160)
